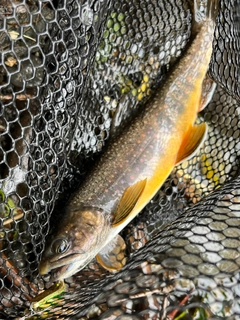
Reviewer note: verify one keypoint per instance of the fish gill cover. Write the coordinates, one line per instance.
(66, 67)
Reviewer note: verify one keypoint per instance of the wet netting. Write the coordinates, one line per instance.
(66, 67)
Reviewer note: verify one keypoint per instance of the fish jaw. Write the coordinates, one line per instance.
(80, 235)
(68, 270)
(57, 268)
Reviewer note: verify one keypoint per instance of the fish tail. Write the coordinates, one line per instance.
(202, 11)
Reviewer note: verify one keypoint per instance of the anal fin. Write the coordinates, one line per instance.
(192, 142)
(112, 256)
(128, 202)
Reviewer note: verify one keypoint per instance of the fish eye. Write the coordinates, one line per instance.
(60, 246)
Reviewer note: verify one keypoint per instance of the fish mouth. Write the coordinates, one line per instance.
(57, 274)
(47, 265)
(66, 271)
(62, 269)
(71, 257)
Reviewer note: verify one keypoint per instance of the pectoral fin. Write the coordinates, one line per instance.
(112, 256)
(192, 142)
(128, 202)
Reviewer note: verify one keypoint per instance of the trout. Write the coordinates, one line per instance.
(134, 167)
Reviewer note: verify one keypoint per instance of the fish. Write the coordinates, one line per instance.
(135, 165)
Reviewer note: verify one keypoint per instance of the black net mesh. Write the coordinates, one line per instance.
(66, 67)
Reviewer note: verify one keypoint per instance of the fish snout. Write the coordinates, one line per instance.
(44, 267)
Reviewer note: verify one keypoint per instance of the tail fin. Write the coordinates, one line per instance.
(203, 10)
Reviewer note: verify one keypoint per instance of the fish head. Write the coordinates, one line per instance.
(78, 238)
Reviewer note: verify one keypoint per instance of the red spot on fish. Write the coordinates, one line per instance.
(132, 177)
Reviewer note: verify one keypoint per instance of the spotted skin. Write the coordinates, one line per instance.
(147, 149)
